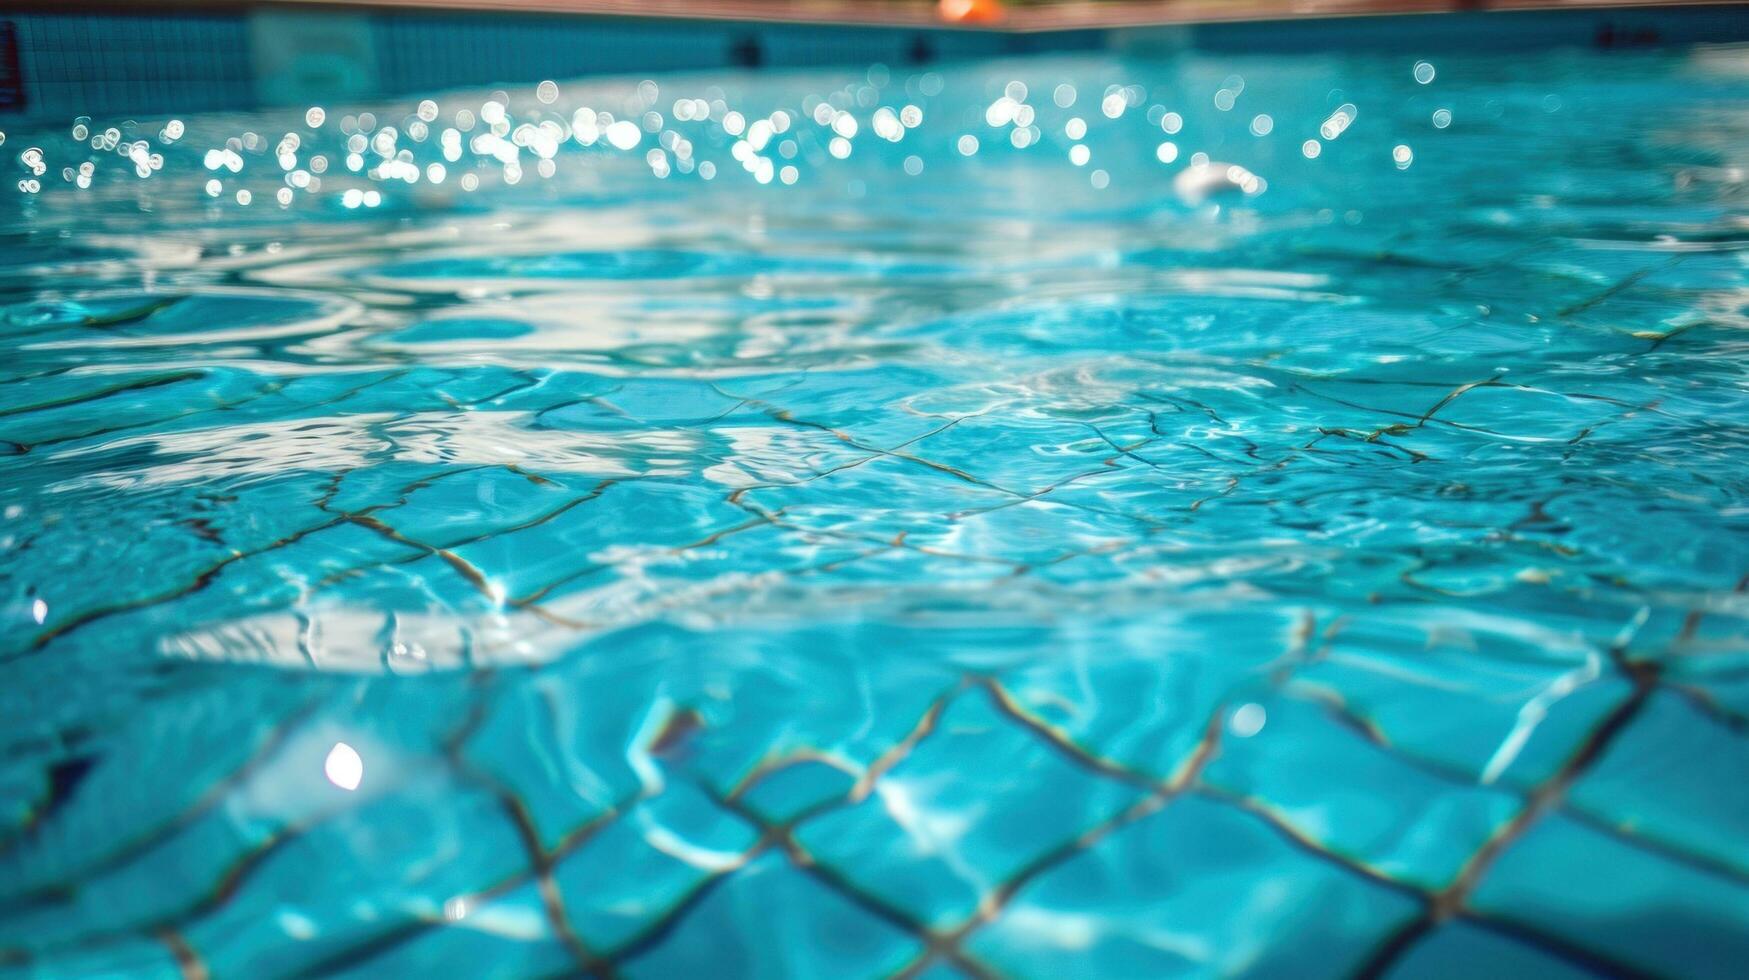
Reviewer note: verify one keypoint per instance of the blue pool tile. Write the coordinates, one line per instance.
(1195, 890)
(1516, 719)
(1582, 886)
(573, 764)
(774, 920)
(1676, 782)
(569, 528)
(1150, 708)
(1355, 798)
(398, 859)
(217, 747)
(799, 784)
(929, 839)
(1463, 949)
(145, 958)
(654, 857)
(501, 935)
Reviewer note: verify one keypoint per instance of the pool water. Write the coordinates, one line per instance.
(939, 559)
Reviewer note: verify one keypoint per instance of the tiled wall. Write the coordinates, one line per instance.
(422, 53)
(446, 50)
(73, 61)
(116, 63)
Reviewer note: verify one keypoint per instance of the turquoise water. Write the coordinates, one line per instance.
(1007, 568)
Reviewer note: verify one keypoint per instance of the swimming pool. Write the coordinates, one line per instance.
(945, 542)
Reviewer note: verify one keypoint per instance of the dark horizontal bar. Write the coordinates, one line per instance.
(1021, 16)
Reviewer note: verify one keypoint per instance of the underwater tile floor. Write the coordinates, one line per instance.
(992, 571)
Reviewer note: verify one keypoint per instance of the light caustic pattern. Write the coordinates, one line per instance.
(991, 553)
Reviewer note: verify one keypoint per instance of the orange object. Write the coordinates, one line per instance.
(971, 11)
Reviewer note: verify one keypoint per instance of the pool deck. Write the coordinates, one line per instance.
(1019, 18)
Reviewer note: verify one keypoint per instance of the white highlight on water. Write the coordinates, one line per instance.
(344, 767)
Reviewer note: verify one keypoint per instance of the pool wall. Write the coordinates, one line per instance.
(66, 59)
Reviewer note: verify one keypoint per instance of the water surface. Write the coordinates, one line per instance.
(982, 565)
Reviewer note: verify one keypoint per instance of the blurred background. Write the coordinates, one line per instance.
(59, 59)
